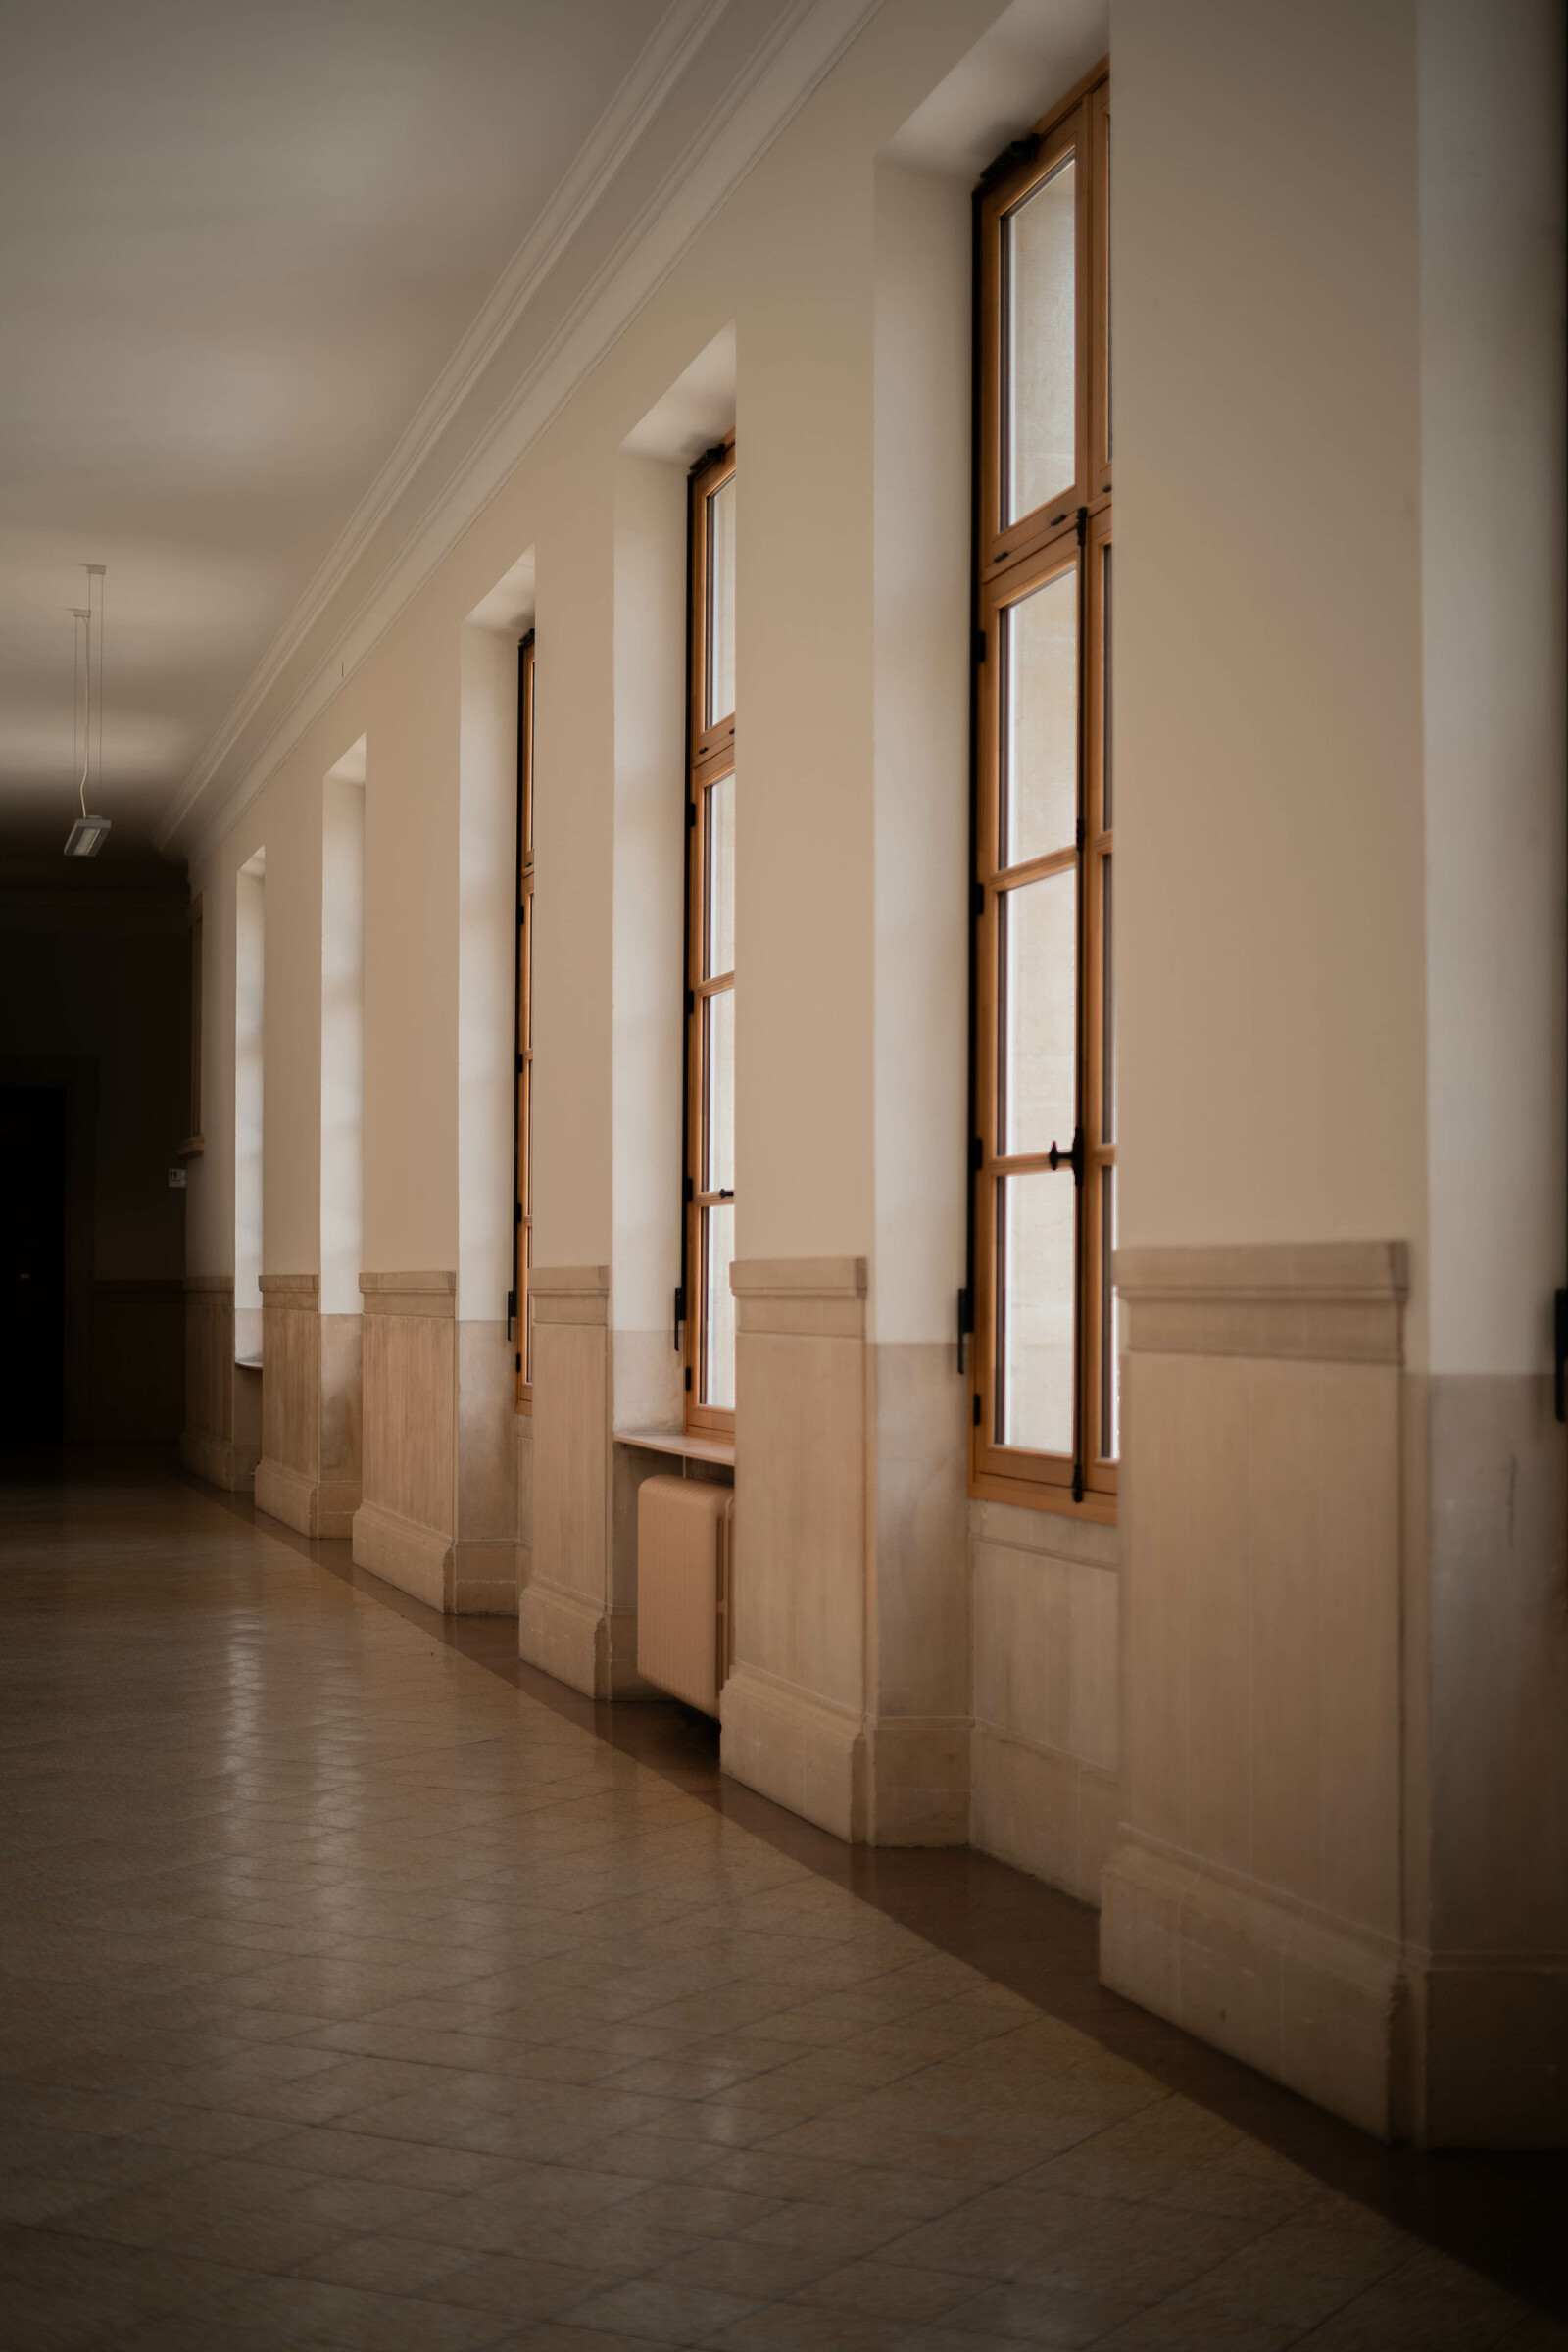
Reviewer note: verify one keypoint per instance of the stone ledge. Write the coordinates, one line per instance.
(1316, 1301)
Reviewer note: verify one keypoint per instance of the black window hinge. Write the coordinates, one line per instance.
(511, 1312)
(517, 1216)
(979, 645)
(1077, 1481)
(521, 1065)
(688, 1376)
(965, 1321)
(1083, 524)
(976, 1154)
(680, 1312)
(688, 1195)
(691, 1001)
(1080, 832)
(691, 814)
(976, 1415)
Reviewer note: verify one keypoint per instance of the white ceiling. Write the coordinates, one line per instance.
(237, 245)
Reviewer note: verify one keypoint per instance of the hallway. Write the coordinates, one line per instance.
(352, 1997)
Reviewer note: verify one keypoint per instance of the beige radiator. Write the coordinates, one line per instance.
(685, 1553)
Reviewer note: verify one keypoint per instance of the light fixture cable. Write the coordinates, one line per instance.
(87, 834)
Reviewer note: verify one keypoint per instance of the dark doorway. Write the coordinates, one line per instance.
(33, 1263)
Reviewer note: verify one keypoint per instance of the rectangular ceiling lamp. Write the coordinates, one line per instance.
(86, 836)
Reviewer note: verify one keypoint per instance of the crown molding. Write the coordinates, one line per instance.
(774, 84)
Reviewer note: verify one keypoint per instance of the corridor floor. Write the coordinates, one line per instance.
(351, 1996)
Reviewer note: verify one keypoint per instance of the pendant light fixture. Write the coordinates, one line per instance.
(88, 835)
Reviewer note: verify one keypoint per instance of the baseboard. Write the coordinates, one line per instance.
(413, 1557)
(482, 1578)
(336, 1503)
(560, 1632)
(798, 1749)
(1314, 2002)
(1050, 1814)
(287, 1494)
(304, 1502)
(219, 1460)
(1488, 2044)
(917, 1780)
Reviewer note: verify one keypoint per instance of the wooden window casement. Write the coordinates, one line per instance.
(703, 1307)
(522, 1318)
(1045, 1404)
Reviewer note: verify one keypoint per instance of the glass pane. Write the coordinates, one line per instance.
(1040, 1017)
(1108, 1108)
(718, 1061)
(1041, 642)
(1035, 1300)
(1040, 265)
(1106, 817)
(719, 1321)
(721, 879)
(1110, 1368)
(721, 603)
(1110, 414)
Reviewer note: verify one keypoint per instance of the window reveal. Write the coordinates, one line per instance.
(704, 1305)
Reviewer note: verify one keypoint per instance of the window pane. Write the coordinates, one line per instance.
(719, 1354)
(1110, 1368)
(1035, 1223)
(1108, 1108)
(720, 943)
(1109, 378)
(719, 1065)
(1040, 271)
(1041, 789)
(1106, 817)
(1040, 1000)
(721, 603)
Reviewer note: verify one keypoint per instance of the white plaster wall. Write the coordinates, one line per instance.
(1270, 959)
(787, 259)
(920, 750)
(651, 507)
(487, 950)
(247, 1093)
(342, 1034)
(1493, 626)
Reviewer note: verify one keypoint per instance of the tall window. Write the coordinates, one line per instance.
(1045, 1208)
(708, 1242)
(522, 1146)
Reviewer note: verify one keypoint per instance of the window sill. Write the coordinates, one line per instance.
(692, 1446)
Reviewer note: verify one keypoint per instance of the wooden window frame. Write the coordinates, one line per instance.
(1070, 532)
(520, 1324)
(710, 757)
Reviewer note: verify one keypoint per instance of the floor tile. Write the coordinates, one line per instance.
(353, 1995)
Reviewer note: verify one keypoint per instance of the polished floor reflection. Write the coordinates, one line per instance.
(353, 1996)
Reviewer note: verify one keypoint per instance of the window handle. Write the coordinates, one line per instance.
(724, 1194)
(1073, 1159)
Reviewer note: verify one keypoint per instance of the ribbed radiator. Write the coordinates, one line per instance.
(685, 1550)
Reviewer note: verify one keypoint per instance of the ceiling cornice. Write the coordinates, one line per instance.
(775, 81)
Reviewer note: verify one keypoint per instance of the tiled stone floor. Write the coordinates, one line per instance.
(353, 1997)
